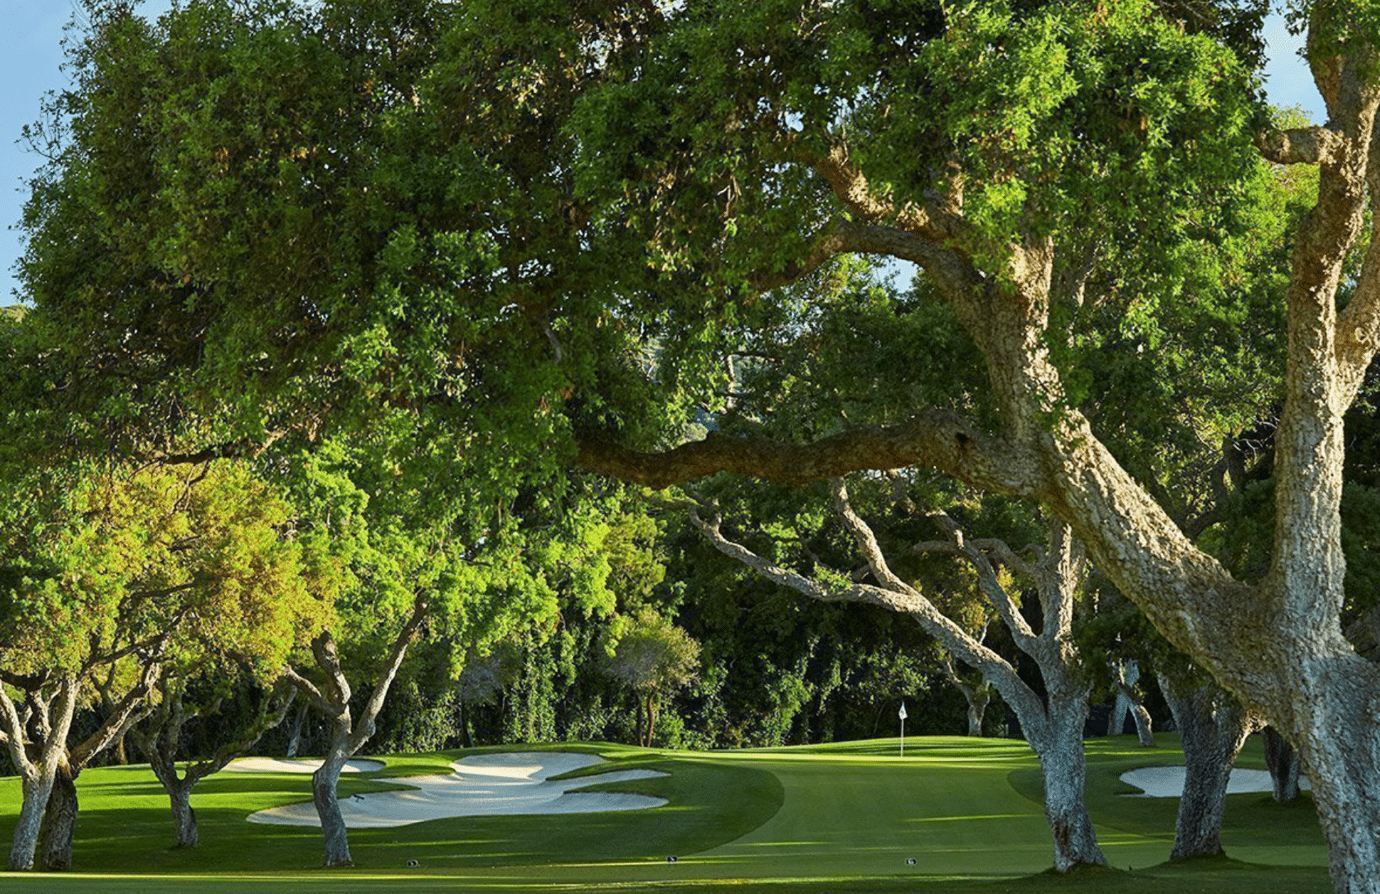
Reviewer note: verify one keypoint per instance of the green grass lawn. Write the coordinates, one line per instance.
(836, 818)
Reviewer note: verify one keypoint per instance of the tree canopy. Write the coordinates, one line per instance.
(539, 233)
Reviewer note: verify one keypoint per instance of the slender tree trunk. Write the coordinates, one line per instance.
(1145, 727)
(60, 822)
(294, 739)
(1213, 727)
(1283, 762)
(323, 787)
(36, 789)
(1058, 743)
(651, 720)
(466, 738)
(977, 710)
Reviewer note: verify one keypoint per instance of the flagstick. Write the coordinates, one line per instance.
(903, 729)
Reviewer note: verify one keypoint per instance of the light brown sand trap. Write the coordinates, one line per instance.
(1168, 782)
(481, 785)
(299, 765)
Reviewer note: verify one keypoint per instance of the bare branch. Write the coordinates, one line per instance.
(996, 550)
(996, 594)
(126, 713)
(866, 540)
(992, 666)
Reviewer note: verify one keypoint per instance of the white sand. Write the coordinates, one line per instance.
(1168, 782)
(481, 785)
(300, 765)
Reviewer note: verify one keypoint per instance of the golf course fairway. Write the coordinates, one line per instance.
(953, 814)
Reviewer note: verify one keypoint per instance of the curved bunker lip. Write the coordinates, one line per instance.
(510, 783)
(1168, 782)
(300, 765)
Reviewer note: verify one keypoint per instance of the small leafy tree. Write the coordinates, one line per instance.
(653, 658)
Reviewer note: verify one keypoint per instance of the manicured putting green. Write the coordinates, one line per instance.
(847, 817)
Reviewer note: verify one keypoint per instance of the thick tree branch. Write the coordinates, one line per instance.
(118, 721)
(1308, 145)
(1061, 568)
(327, 656)
(308, 690)
(1358, 324)
(936, 439)
(866, 540)
(13, 730)
(845, 236)
(850, 185)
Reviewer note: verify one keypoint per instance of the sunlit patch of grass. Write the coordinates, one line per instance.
(838, 818)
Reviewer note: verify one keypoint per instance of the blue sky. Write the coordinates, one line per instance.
(31, 56)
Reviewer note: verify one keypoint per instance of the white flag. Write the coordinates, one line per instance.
(903, 711)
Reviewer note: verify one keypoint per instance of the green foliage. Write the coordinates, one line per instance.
(652, 656)
(103, 557)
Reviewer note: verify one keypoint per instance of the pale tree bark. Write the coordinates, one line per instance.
(32, 737)
(36, 737)
(1283, 763)
(294, 737)
(347, 734)
(1054, 725)
(60, 820)
(1213, 726)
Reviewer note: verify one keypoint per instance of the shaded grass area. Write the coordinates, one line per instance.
(836, 818)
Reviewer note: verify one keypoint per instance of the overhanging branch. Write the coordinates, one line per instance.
(936, 439)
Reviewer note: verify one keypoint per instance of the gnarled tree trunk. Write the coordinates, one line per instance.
(1057, 738)
(184, 815)
(1213, 727)
(347, 734)
(35, 789)
(1054, 725)
(324, 783)
(60, 821)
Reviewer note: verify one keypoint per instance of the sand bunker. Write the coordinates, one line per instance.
(301, 765)
(1168, 782)
(481, 785)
